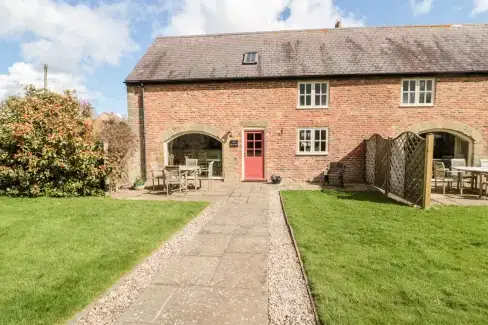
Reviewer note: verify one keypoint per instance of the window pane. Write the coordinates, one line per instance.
(422, 98)
(307, 146)
(324, 100)
(422, 85)
(257, 136)
(317, 134)
(302, 89)
(412, 98)
(317, 88)
(250, 136)
(429, 98)
(258, 145)
(308, 135)
(250, 153)
(301, 146)
(324, 88)
(429, 85)
(308, 100)
(302, 100)
(323, 134)
(250, 144)
(258, 153)
(308, 88)
(405, 85)
(412, 85)
(253, 56)
(323, 146)
(316, 146)
(317, 100)
(405, 98)
(302, 134)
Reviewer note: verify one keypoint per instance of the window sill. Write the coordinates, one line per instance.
(417, 105)
(313, 107)
(301, 154)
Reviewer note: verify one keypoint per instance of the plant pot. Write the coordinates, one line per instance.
(275, 179)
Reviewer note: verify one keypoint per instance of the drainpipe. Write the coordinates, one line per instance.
(143, 140)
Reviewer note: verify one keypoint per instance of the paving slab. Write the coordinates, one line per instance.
(215, 306)
(241, 271)
(257, 230)
(248, 244)
(189, 270)
(148, 305)
(212, 228)
(207, 245)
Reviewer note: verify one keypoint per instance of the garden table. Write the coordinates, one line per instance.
(476, 171)
(189, 170)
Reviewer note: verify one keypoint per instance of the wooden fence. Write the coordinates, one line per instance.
(401, 166)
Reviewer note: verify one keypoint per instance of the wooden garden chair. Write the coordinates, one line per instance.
(441, 175)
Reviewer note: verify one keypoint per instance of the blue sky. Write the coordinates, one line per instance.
(91, 46)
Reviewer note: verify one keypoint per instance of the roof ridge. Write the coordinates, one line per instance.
(326, 29)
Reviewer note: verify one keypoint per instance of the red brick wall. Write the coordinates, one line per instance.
(358, 109)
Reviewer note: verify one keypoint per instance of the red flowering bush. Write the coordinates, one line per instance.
(47, 148)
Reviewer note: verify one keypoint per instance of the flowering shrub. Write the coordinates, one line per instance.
(47, 148)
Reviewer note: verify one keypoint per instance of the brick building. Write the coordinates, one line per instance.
(290, 102)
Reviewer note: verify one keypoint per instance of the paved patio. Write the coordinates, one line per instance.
(220, 276)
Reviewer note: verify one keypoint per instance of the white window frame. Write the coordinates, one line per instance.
(312, 100)
(417, 92)
(312, 140)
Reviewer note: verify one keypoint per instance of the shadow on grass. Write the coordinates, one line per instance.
(373, 197)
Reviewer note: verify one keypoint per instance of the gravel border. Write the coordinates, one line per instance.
(120, 296)
(288, 297)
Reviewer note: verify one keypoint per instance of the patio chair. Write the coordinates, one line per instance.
(174, 176)
(462, 175)
(202, 159)
(157, 173)
(440, 174)
(209, 172)
(484, 164)
(334, 174)
(191, 162)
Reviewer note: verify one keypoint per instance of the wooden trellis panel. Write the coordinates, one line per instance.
(370, 161)
(397, 165)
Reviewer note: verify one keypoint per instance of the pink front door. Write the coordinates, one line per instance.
(253, 155)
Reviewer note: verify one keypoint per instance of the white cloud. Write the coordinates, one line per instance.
(421, 7)
(21, 74)
(480, 6)
(72, 39)
(218, 16)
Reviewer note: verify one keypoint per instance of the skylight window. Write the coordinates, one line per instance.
(250, 58)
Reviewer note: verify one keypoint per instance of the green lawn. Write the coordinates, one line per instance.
(372, 261)
(57, 255)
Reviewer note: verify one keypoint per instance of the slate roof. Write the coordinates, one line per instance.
(319, 52)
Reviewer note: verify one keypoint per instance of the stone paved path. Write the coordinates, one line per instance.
(220, 277)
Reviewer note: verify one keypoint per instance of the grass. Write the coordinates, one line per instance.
(57, 255)
(370, 260)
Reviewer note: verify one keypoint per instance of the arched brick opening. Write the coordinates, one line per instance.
(461, 130)
(170, 134)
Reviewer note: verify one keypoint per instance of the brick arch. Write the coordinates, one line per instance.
(209, 130)
(463, 131)
(179, 130)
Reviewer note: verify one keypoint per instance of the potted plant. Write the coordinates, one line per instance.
(275, 179)
(139, 184)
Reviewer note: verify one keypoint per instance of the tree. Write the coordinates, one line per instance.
(47, 147)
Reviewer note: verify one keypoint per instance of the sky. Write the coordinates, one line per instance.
(91, 46)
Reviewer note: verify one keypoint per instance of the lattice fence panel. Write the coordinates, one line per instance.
(397, 167)
(370, 160)
(381, 162)
(397, 164)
